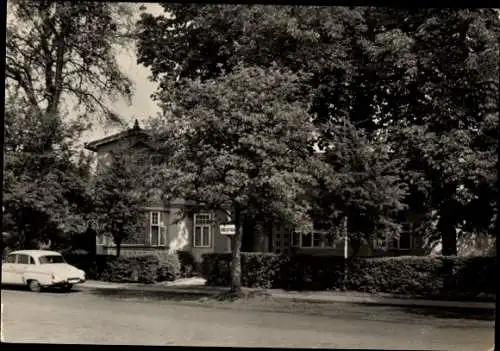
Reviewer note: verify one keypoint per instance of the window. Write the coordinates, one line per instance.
(157, 230)
(403, 242)
(330, 240)
(51, 259)
(306, 240)
(202, 230)
(10, 259)
(32, 260)
(316, 238)
(281, 243)
(23, 259)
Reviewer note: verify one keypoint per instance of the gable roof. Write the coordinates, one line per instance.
(134, 131)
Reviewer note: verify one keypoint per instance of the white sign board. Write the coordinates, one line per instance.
(227, 229)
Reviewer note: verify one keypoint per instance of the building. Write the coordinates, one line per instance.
(198, 233)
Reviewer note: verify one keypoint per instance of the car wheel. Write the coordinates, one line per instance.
(67, 288)
(34, 285)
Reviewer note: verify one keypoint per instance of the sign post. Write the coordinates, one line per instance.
(227, 229)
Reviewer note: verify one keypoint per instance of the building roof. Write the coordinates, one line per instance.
(134, 131)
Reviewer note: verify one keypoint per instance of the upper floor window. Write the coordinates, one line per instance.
(202, 230)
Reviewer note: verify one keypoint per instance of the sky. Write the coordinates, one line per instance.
(142, 105)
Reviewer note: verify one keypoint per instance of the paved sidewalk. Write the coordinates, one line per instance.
(319, 297)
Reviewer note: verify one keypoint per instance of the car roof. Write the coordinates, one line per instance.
(35, 253)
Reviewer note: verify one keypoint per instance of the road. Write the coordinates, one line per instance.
(86, 317)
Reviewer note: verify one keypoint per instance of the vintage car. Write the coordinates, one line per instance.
(38, 269)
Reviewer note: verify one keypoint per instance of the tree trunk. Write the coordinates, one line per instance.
(118, 248)
(448, 240)
(247, 241)
(236, 241)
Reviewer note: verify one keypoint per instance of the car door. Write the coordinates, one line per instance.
(7, 269)
(20, 267)
(31, 268)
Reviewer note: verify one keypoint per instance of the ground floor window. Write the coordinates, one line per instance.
(157, 231)
(403, 242)
(313, 239)
(202, 230)
(281, 243)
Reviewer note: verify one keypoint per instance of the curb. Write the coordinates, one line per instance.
(293, 297)
(165, 290)
(387, 301)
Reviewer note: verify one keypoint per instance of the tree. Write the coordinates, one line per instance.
(440, 91)
(246, 143)
(55, 52)
(360, 182)
(207, 41)
(119, 197)
(58, 51)
(405, 72)
(44, 194)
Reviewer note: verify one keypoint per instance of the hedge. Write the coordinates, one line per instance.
(404, 275)
(259, 270)
(169, 267)
(189, 266)
(93, 265)
(142, 269)
(424, 276)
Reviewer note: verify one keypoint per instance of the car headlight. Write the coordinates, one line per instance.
(82, 273)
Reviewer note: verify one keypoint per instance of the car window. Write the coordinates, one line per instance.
(11, 259)
(32, 260)
(47, 259)
(23, 259)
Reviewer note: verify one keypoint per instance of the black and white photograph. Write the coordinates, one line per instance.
(250, 175)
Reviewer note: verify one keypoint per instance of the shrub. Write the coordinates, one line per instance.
(424, 276)
(93, 265)
(403, 275)
(262, 270)
(189, 266)
(308, 272)
(147, 268)
(216, 268)
(169, 267)
(141, 269)
(259, 270)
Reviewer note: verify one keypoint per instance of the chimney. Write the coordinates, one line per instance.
(136, 125)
